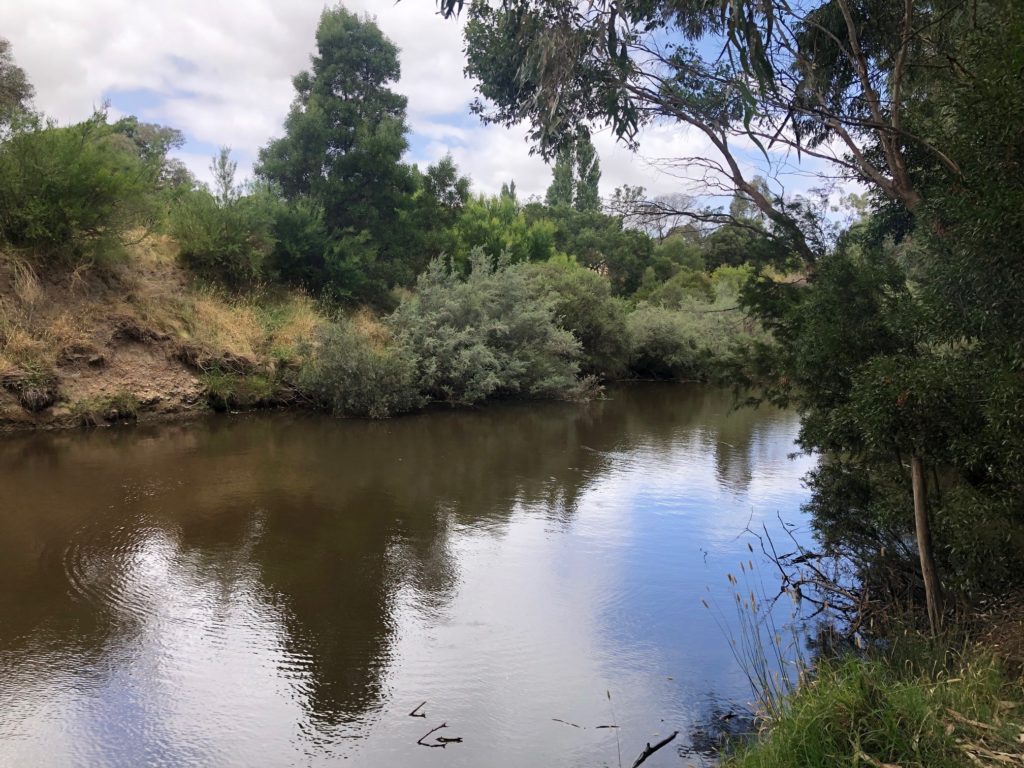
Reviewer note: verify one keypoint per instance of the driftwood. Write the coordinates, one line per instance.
(566, 722)
(442, 741)
(421, 741)
(649, 750)
(417, 710)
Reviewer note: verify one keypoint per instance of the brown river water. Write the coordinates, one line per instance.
(283, 590)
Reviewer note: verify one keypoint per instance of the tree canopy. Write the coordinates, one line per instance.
(16, 91)
(920, 103)
(576, 176)
(344, 140)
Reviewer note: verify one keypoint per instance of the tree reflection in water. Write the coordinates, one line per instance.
(264, 590)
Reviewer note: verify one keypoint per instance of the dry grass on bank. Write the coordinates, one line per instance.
(140, 328)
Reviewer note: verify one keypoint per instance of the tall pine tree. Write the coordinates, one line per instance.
(343, 145)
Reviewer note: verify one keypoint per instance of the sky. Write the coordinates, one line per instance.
(221, 72)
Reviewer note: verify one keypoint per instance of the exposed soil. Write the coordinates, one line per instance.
(97, 346)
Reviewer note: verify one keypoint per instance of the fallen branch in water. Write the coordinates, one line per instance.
(422, 743)
(418, 706)
(606, 726)
(442, 741)
(651, 750)
(566, 722)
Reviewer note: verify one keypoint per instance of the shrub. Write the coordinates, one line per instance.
(301, 243)
(355, 374)
(498, 225)
(662, 344)
(685, 285)
(490, 334)
(677, 252)
(225, 243)
(584, 305)
(69, 195)
(341, 266)
(728, 281)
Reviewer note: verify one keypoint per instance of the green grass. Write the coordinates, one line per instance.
(121, 406)
(927, 709)
(233, 391)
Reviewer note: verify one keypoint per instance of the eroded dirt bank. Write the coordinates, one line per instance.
(138, 341)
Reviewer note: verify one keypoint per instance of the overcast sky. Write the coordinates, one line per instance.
(221, 72)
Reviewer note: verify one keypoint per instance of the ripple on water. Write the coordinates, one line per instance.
(187, 622)
(102, 566)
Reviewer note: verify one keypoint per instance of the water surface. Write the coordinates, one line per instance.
(284, 590)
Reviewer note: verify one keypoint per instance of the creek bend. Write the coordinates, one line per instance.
(283, 589)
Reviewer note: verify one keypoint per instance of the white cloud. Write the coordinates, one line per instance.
(221, 72)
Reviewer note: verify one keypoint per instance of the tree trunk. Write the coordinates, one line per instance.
(932, 589)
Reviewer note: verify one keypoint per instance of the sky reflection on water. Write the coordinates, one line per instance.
(284, 590)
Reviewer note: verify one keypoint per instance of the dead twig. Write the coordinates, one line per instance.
(977, 751)
(861, 755)
(967, 721)
(417, 710)
(441, 743)
(649, 750)
(566, 722)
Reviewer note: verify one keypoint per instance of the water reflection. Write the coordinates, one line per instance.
(284, 590)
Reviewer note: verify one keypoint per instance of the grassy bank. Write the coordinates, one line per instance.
(916, 704)
(139, 337)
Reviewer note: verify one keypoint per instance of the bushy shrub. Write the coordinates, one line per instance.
(685, 285)
(355, 374)
(663, 345)
(343, 266)
(677, 252)
(301, 243)
(68, 195)
(728, 281)
(584, 305)
(498, 225)
(489, 334)
(224, 243)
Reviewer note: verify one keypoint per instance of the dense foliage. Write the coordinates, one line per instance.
(360, 373)
(489, 334)
(70, 195)
(15, 90)
(899, 339)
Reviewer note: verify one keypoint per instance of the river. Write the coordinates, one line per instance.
(280, 590)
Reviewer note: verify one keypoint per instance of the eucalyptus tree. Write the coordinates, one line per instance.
(828, 80)
(921, 102)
